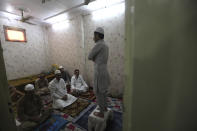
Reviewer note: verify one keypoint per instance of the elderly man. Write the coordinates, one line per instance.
(41, 85)
(65, 74)
(99, 55)
(78, 85)
(30, 110)
(59, 92)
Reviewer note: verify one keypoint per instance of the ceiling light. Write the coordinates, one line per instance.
(60, 25)
(9, 8)
(57, 19)
(106, 13)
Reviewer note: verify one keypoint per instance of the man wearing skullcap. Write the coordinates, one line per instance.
(41, 85)
(59, 92)
(30, 110)
(99, 55)
(65, 74)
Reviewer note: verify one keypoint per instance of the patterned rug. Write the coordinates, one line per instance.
(89, 95)
(74, 109)
(73, 127)
(115, 104)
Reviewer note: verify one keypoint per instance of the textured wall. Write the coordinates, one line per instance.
(24, 59)
(68, 48)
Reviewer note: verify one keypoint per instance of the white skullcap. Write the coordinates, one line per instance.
(29, 87)
(57, 72)
(100, 30)
(61, 67)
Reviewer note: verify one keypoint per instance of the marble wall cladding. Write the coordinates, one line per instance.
(66, 46)
(24, 59)
(70, 47)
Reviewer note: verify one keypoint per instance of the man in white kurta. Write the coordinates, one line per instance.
(99, 55)
(59, 92)
(78, 85)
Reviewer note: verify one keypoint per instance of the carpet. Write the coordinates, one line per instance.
(74, 109)
(113, 125)
(89, 95)
(73, 127)
(55, 123)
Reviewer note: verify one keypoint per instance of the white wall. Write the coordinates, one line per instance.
(24, 59)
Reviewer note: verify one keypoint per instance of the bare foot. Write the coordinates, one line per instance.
(99, 114)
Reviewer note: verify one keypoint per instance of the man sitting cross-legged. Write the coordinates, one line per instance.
(78, 85)
(30, 110)
(41, 85)
(59, 92)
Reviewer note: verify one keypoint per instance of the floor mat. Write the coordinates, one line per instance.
(78, 106)
(113, 125)
(114, 103)
(73, 127)
(89, 95)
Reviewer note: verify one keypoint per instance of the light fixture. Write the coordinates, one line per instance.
(60, 25)
(57, 19)
(9, 8)
(99, 4)
(106, 13)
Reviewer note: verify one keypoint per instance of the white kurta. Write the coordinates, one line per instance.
(99, 55)
(78, 84)
(58, 91)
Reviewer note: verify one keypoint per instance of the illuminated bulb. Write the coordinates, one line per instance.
(60, 25)
(58, 18)
(9, 9)
(109, 12)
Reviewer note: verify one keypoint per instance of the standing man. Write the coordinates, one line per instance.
(99, 55)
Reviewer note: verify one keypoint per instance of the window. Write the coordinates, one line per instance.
(14, 34)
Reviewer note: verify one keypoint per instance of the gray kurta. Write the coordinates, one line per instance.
(99, 55)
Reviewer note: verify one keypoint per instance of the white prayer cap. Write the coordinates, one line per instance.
(57, 72)
(100, 30)
(61, 67)
(29, 87)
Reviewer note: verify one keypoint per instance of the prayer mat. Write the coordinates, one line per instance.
(55, 123)
(73, 127)
(89, 95)
(115, 104)
(74, 109)
(46, 99)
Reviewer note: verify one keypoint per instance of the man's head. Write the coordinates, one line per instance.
(98, 34)
(42, 76)
(58, 74)
(29, 89)
(76, 72)
(61, 68)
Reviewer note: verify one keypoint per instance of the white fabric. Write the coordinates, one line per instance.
(100, 30)
(58, 91)
(57, 72)
(61, 67)
(78, 84)
(96, 123)
(29, 87)
(99, 55)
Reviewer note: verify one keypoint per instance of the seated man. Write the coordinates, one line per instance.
(65, 74)
(30, 110)
(59, 92)
(78, 85)
(41, 85)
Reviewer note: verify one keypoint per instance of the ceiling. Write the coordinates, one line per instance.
(36, 8)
